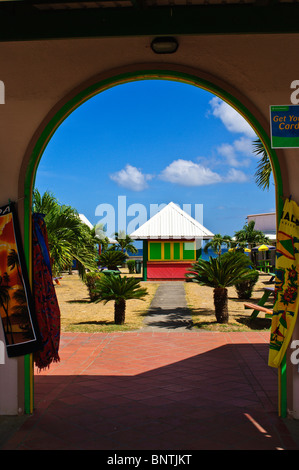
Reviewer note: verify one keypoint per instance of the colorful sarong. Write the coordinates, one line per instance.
(286, 304)
(46, 304)
(17, 313)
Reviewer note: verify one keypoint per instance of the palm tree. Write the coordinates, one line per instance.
(248, 235)
(264, 168)
(124, 242)
(4, 302)
(220, 273)
(68, 237)
(14, 262)
(20, 311)
(99, 233)
(217, 242)
(119, 289)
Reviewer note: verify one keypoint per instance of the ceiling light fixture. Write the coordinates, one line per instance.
(164, 45)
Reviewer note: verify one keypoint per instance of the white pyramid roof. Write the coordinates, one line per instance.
(89, 224)
(85, 220)
(171, 223)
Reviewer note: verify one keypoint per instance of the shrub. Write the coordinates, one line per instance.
(244, 289)
(91, 281)
(131, 266)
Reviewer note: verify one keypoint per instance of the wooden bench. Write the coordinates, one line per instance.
(258, 308)
(272, 278)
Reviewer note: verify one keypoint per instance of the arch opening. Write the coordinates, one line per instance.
(54, 121)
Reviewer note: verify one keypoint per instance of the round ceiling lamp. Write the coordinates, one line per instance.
(164, 45)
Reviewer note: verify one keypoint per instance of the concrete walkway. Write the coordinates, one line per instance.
(169, 309)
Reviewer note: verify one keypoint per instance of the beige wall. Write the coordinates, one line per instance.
(39, 75)
(9, 401)
(264, 222)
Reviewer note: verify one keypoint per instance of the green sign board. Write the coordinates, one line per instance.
(284, 126)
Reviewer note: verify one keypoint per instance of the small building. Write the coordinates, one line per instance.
(171, 243)
(266, 223)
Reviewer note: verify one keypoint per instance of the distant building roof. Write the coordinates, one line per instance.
(85, 220)
(171, 223)
(265, 222)
(89, 224)
(261, 214)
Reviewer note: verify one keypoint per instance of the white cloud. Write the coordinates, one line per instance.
(234, 153)
(181, 172)
(188, 173)
(236, 176)
(229, 153)
(244, 145)
(232, 120)
(132, 178)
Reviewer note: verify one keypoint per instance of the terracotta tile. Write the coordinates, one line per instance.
(156, 391)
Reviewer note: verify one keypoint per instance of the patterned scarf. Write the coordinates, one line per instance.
(46, 305)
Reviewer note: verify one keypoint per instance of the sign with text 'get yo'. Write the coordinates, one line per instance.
(284, 126)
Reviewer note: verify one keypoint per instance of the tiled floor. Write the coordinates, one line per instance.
(157, 391)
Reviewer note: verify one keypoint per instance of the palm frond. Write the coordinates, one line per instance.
(69, 238)
(223, 271)
(112, 259)
(264, 168)
(119, 288)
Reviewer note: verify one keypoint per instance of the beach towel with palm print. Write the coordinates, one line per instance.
(286, 303)
(17, 312)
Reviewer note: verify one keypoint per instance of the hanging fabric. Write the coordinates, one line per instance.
(18, 317)
(286, 304)
(46, 304)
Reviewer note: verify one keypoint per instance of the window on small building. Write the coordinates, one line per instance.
(172, 251)
(155, 251)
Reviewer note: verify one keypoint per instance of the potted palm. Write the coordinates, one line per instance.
(220, 273)
(119, 289)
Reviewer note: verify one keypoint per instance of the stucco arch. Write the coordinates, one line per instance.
(99, 83)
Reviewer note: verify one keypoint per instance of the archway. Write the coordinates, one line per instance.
(87, 91)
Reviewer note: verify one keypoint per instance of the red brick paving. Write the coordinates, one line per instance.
(157, 391)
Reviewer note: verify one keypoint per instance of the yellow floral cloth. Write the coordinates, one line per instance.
(285, 308)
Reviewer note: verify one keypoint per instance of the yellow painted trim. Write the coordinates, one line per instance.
(172, 242)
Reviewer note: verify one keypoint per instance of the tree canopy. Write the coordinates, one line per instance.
(250, 236)
(217, 242)
(69, 238)
(264, 168)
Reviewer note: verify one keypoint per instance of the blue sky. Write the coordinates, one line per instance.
(153, 142)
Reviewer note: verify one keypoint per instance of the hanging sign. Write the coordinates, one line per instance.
(284, 126)
(286, 304)
(16, 306)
